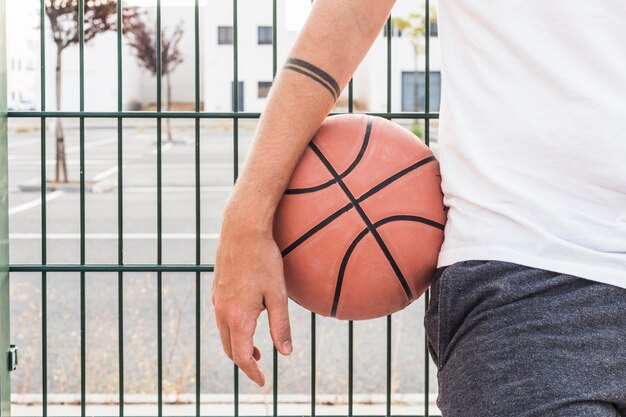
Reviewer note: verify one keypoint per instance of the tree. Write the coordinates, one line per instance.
(99, 16)
(415, 26)
(142, 38)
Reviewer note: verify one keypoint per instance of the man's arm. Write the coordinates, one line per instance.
(248, 268)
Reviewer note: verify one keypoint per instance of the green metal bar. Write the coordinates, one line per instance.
(274, 39)
(111, 268)
(235, 92)
(193, 115)
(198, 212)
(120, 213)
(389, 34)
(235, 110)
(350, 367)
(350, 323)
(427, 78)
(274, 69)
(274, 381)
(159, 75)
(5, 381)
(44, 216)
(350, 97)
(313, 364)
(236, 390)
(83, 345)
(427, 141)
(388, 409)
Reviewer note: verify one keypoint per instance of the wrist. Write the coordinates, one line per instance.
(250, 215)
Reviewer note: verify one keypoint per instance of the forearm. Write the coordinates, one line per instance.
(330, 46)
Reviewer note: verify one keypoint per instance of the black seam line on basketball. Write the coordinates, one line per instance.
(366, 139)
(394, 177)
(361, 235)
(354, 163)
(342, 269)
(410, 218)
(313, 77)
(315, 229)
(326, 76)
(310, 189)
(367, 221)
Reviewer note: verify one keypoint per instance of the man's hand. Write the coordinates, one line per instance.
(249, 278)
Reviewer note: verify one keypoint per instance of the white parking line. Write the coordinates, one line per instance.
(89, 145)
(163, 148)
(21, 163)
(108, 236)
(35, 203)
(105, 174)
(23, 143)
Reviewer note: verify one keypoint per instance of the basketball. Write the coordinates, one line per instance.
(361, 223)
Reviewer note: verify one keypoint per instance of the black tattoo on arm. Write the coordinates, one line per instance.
(315, 73)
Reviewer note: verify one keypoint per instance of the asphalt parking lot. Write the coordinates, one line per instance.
(139, 289)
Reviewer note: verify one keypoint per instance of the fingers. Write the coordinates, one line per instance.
(223, 330)
(236, 336)
(243, 350)
(278, 315)
(256, 353)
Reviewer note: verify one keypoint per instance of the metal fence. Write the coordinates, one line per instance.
(120, 268)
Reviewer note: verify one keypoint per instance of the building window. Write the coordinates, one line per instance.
(414, 92)
(265, 35)
(264, 88)
(224, 35)
(434, 30)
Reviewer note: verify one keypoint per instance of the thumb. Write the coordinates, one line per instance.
(278, 315)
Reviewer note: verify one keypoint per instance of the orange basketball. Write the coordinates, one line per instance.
(361, 223)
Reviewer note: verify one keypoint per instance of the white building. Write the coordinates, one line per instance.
(216, 60)
(254, 21)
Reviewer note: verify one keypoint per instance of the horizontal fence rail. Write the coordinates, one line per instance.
(197, 267)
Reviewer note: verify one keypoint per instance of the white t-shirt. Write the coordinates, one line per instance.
(532, 135)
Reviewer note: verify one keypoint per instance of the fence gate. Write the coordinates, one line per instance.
(5, 389)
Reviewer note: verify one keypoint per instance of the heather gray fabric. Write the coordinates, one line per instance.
(511, 340)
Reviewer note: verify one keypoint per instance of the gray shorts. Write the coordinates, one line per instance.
(510, 340)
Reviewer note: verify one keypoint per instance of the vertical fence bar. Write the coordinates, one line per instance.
(313, 364)
(274, 39)
(44, 241)
(389, 34)
(235, 92)
(350, 368)
(159, 217)
(235, 163)
(120, 214)
(5, 387)
(350, 323)
(427, 76)
(274, 350)
(427, 141)
(197, 190)
(81, 38)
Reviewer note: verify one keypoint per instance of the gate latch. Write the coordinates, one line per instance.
(12, 358)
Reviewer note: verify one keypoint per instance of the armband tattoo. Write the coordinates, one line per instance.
(315, 73)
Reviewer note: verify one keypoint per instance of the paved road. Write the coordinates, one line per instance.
(139, 289)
